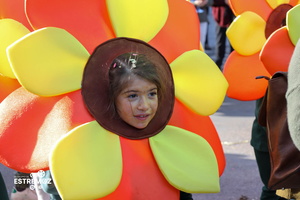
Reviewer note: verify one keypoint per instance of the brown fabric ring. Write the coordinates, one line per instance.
(277, 19)
(95, 87)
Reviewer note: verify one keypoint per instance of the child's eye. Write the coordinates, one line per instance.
(152, 94)
(132, 96)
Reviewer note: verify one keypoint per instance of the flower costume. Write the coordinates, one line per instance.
(55, 90)
(248, 34)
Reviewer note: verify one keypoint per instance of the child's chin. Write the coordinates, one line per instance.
(140, 126)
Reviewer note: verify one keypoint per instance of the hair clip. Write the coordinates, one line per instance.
(133, 62)
(115, 64)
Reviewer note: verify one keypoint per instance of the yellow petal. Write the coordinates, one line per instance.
(186, 160)
(247, 33)
(138, 19)
(275, 3)
(87, 163)
(293, 24)
(199, 83)
(48, 61)
(10, 31)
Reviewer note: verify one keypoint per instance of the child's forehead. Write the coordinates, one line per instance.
(134, 81)
(139, 82)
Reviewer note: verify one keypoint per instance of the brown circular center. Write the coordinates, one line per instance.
(276, 19)
(95, 87)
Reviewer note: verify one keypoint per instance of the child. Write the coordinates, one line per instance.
(134, 86)
(128, 88)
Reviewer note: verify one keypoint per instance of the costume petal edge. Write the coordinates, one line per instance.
(186, 160)
(88, 154)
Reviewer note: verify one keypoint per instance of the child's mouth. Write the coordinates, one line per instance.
(142, 117)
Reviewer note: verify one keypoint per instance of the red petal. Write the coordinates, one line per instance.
(88, 22)
(30, 125)
(241, 72)
(181, 32)
(277, 52)
(202, 125)
(141, 177)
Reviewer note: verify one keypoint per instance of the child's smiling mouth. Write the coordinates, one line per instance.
(142, 116)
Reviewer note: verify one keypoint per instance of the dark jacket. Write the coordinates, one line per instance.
(222, 13)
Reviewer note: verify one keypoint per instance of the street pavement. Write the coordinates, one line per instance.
(8, 176)
(240, 180)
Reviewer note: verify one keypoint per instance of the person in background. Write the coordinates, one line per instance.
(223, 16)
(49, 187)
(207, 45)
(202, 8)
(259, 142)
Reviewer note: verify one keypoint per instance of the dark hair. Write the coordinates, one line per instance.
(126, 66)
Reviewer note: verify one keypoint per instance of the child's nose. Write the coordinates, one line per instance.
(143, 103)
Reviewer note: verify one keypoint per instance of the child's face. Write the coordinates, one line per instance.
(137, 103)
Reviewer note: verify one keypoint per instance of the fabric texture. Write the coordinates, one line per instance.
(284, 156)
(222, 13)
(293, 96)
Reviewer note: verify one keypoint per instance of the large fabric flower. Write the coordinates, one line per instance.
(255, 22)
(49, 62)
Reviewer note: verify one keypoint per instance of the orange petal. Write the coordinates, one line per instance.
(7, 86)
(277, 51)
(294, 2)
(88, 22)
(259, 7)
(241, 72)
(141, 176)
(202, 125)
(30, 125)
(181, 32)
